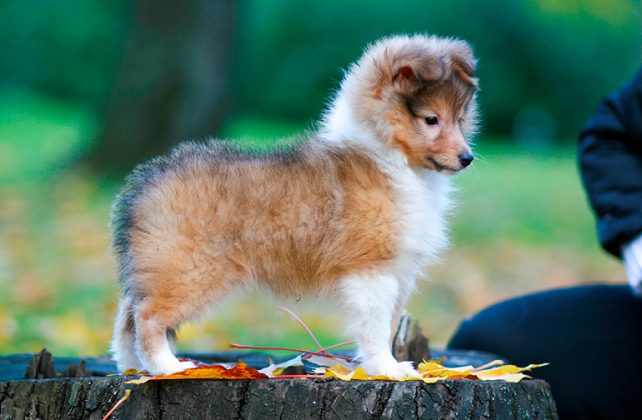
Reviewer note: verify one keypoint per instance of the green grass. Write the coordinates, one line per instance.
(521, 224)
(40, 135)
(524, 196)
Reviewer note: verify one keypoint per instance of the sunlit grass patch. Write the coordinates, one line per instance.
(56, 270)
(520, 195)
(40, 135)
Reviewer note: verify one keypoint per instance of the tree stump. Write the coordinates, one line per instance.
(92, 397)
(82, 398)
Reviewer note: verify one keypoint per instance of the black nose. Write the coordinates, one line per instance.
(465, 158)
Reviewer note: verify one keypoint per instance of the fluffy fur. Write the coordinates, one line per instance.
(355, 210)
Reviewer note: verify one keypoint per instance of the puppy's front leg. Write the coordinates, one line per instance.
(400, 307)
(369, 301)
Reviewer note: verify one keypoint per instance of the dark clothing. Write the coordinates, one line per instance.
(590, 335)
(610, 157)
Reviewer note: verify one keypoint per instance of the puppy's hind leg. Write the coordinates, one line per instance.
(369, 301)
(123, 343)
(155, 323)
(177, 297)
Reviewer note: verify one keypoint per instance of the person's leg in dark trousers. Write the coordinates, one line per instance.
(591, 335)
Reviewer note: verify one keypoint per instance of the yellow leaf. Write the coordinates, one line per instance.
(426, 366)
(428, 369)
(509, 373)
(433, 372)
(340, 372)
(507, 369)
(140, 380)
(359, 374)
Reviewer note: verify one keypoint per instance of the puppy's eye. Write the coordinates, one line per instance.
(432, 120)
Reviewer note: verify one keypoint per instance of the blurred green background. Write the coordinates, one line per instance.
(90, 87)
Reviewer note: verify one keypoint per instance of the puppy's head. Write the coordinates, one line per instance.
(417, 94)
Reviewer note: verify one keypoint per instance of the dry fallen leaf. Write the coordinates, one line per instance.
(326, 362)
(432, 369)
(508, 373)
(240, 371)
(432, 372)
(359, 374)
(276, 369)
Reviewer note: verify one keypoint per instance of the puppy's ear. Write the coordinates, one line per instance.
(405, 73)
(463, 64)
(406, 79)
(414, 74)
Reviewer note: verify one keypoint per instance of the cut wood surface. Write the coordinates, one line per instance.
(21, 366)
(81, 398)
(64, 397)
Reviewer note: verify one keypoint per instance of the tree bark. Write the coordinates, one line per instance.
(172, 81)
(80, 398)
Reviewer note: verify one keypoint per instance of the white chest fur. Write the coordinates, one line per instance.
(423, 194)
(422, 205)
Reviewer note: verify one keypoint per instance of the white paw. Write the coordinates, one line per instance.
(186, 365)
(390, 368)
(171, 366)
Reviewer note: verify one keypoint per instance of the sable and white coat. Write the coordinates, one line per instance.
(355, 211)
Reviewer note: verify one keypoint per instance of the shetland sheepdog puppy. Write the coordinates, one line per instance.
(354, 211)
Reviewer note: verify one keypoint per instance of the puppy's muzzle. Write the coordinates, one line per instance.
(465, 158)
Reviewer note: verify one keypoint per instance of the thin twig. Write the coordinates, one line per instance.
(334, 346)
(318, 352)
(487, 365)
(303, 324)
(118, 404)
